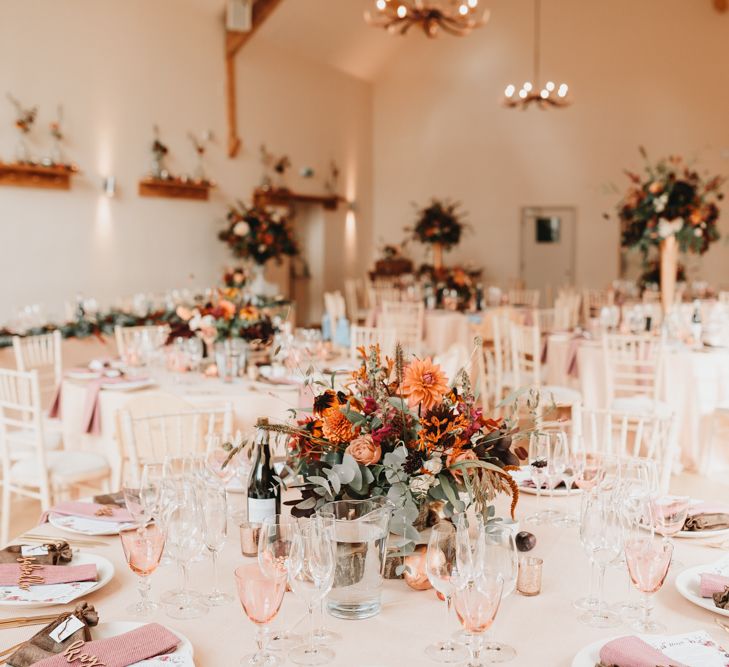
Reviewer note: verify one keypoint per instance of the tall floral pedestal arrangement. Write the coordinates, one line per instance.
(259, 234)
(439, 225)
(673, 209)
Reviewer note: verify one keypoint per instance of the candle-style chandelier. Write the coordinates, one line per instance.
(533, 92)
(456, 17)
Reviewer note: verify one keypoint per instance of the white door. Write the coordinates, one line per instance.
(547, 249)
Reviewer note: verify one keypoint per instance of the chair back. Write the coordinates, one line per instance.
(365, 337)
(633, 365)
(335, 307)
(623, 434)
(593, 301)
(524, 297)
(407, 318)
(526, 354)
(41, 353)
(152, 438)
(353, 295)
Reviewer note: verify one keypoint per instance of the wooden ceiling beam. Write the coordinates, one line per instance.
(234, 42)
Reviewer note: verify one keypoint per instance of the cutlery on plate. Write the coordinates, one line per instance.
(80, 541)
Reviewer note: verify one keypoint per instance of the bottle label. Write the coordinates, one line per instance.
(259, 509)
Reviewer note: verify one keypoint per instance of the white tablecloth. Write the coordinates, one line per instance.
(696, 384)
(445, 328)
(543, 629)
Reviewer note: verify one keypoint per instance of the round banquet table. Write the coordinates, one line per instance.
(444, 328)
(249, 401)
(544, 629)
(696, 384)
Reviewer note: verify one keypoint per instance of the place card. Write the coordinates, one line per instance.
(693, 648)
(28, 550)
(65, 629)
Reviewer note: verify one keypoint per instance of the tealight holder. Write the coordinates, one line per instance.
(529, 579)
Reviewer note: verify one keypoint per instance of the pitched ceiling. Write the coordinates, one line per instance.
(331, 32)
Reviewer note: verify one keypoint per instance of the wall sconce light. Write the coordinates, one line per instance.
(108, 186)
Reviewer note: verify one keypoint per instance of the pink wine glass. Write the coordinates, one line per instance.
(477, 601)
(143, 549)
(261, 594)
(669, 516)
(648, 562)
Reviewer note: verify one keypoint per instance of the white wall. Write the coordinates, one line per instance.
(652, 72)
(120, 67)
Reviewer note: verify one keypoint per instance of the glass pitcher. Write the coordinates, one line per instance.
(361, 529)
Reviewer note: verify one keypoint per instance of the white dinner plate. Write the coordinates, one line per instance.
(523, 474)
(81, 374)
(129, 385)
(699, 534)
(688, 584)
(697, 647)
(183, 653)
(104, 573)
(84, 525)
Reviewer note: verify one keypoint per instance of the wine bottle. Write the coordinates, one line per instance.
(264, 490)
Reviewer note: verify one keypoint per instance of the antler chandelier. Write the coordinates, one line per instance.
(456, 17)
(532, 92)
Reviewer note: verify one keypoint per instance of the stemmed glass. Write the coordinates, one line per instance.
(217, 459)
(602, 537)
(500, 559)
(261, 595)
(557, 453)
(215, 530)
(311, 575)
(648, 562)
(477, 602)
(669, 517)
(141, 495)
(274, 549)
(143, 549)
(538, 458)
(185, 527)
(441, 561)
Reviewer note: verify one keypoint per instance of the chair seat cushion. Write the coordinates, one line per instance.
(21, 443)
(641, 405)
(64, 468)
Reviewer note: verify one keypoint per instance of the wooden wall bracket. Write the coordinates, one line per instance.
(36, 176)
(174, 189)
(234, 42)
(284, 197)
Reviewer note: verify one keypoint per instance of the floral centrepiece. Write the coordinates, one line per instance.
(439, 223)
(400, 430)
(670, 200)
(259, 234)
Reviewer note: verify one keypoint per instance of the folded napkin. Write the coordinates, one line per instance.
(58, 553)
(51, 574)
(633, 652)
(91, 420)
(127, 649)
(110, 499)
(90, 511)
(705, 516)
(712, 583)
(41, 645)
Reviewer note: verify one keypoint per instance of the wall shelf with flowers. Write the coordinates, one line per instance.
(284, 197)
(26, 175)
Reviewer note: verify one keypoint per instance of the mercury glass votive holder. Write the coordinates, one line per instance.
(529, 579)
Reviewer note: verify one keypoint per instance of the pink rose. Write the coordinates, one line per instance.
(364, 450)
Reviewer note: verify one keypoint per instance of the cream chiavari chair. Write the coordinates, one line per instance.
(633, 368)
(567, 310)
(407, 318)
(152, 438)
(528, 298)
(43, 354)
(365, 337)
(125, 336)
(627, 434)
(724, 298)
(353, 291)
(29, 468)
(545, 319)
(593, 301)
(335, 308)
(526, 351)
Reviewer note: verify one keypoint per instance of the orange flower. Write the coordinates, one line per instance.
(228, 308)
(424, 383)
(458, 457)
(364, 450)
(337, 428)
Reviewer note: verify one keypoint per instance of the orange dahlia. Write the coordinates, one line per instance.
(424, 383)
(337, 428)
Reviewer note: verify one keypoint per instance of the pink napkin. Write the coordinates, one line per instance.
(712, 583)
(708, 508)
(79, 508)
(54, 411)
(52, 574)
(146, 642)
(91, 420)
(633, 652)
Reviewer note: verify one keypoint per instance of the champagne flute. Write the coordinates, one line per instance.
(311, 575)
(502, 560)
(538, 457)
(143, 549)
(441, 561)
(557, 453)
(648, 562)
(477, 602)
(602, 534)
(261, 595)
(215, 530)
(274, 549)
